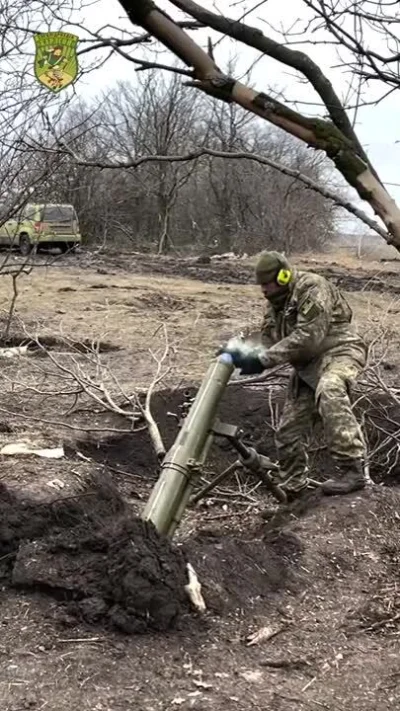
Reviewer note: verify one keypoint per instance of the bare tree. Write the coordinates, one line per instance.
(165, 183)
(335, 137)
(208, 202)
(369, 32)
(157, 117)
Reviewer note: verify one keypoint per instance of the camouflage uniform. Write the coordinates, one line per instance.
(312, 331)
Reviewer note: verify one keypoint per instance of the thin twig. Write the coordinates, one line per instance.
(154, 432)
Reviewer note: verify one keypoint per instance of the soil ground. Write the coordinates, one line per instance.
(93, 612)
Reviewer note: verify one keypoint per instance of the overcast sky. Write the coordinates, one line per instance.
(377, 126)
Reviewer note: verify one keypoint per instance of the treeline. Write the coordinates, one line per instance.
(206, 204)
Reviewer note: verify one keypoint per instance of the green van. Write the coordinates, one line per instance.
(46, 226)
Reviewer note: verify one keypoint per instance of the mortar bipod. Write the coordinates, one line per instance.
(249, 459)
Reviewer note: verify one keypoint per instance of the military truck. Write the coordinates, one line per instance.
(41, 226)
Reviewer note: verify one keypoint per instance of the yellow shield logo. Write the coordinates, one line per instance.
(56, 61)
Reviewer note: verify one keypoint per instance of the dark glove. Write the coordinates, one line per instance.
(249, 364)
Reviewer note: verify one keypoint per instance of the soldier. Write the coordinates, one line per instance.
(308, 324)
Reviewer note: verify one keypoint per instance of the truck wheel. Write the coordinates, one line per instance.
(25, 246)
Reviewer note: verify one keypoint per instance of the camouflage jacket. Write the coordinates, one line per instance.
(315, 322)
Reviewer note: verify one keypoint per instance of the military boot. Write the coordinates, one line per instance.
(354, 477)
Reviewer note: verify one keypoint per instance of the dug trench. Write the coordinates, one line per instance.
(106, 568)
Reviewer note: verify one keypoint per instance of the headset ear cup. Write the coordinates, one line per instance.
(284, 277)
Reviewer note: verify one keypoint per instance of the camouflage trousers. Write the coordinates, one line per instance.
(329, 400)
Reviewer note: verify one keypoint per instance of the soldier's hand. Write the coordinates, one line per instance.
(249, 364)
(249, 360)
(234, 353)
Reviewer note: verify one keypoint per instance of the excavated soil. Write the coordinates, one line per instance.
(89, 552)
(105, 567)
(121, 574)
(102, 578)
(81, 576)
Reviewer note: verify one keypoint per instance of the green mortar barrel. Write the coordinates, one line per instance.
(180, 468)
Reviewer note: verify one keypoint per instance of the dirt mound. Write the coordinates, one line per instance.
(106, 567)
(325, 574)
(351, 551)
(164, 302)
(380, 412)
(23, 518)
(341, 554)
(91, 554)
(120, 572)
(224, 272)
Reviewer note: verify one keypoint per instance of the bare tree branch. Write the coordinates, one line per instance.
(160, 374)
(320, 134)
(116, 43)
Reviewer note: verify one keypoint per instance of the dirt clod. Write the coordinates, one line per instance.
(105, 565)
(121, 573)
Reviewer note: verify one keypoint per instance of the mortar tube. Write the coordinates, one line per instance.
(171, 493)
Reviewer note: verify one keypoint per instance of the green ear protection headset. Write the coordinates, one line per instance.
(273, 266)
(283, 277)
